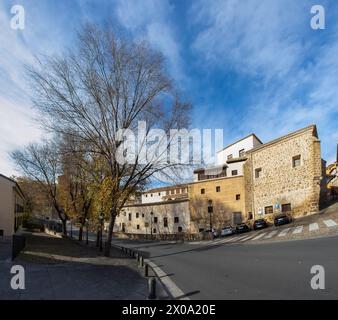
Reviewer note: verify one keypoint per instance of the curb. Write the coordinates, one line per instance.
(173, 291)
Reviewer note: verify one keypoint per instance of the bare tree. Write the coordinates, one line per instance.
(41, 163)
(106, 85)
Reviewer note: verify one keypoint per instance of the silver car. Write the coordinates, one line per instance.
(227, 231)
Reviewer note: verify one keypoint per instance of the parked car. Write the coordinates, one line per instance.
(227, 231)
(259, 224)
(242, 227)
(282, 219)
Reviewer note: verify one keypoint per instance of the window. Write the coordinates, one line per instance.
(154, 230)
(229, 157)
(151, 194)
(258, 173)
(146, 224)
(165, 222)
(129, 217)
(202, 191)
(159, 193)
(250, 216)
(179, 229)
(238, 197)
(172, 191)
(269, 210)
(242, 152)
(137, 214)
(286, 207)
(176, 220)
(296, 161)
(155, 220)
(234, 172)
(142, 215)
(218, 189)
(146, 196)
(138, 227)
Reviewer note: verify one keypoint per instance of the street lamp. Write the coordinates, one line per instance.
(151, 225)
(87, 221)
(210, 211)
(101, 217)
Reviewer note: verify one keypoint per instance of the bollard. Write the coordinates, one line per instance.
(138, 257)
(152, 288)
(141, 261)
(146, 270)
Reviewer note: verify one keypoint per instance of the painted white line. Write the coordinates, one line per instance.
(226, 240)
(330, 223)
(313, 227)
(246, 238)
(271, 234)
(237, 238)
(298, 230)
(284, 232)
(259, 236)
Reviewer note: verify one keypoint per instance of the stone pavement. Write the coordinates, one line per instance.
(57, 268)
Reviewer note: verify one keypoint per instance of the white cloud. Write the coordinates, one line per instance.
(253, 36)
(150, 20)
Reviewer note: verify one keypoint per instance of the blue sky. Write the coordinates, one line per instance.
(246, 65)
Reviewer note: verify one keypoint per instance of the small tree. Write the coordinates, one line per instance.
(42, 163)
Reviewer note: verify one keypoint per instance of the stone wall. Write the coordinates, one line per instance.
(282, 183)
(143, 222)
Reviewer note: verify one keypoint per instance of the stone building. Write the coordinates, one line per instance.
(163, 212)
(285, 175)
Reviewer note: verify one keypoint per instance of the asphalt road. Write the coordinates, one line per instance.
(279, 270)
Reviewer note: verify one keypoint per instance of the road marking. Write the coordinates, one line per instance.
(330, 223)
(284, 232)
(298, 230)
(246, 238)
(259, 236)
(237, 238)
(226, 240)
(271, 234)
(313, 227)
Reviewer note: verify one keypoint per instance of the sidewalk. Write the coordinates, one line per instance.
(57, 268)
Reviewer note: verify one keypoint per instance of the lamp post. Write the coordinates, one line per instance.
(151, 225)
(210, 211)
(101, 229)
(71, 228)
(87, 222)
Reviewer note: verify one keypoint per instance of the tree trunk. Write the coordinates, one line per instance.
(110, 232)
(64, 227)
(81, 232)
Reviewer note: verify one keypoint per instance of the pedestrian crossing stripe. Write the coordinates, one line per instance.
(313, 227)
(330, 223)
(298, 230)
(284, 232)
(246, 238)
(259, 236)
(271, 234)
